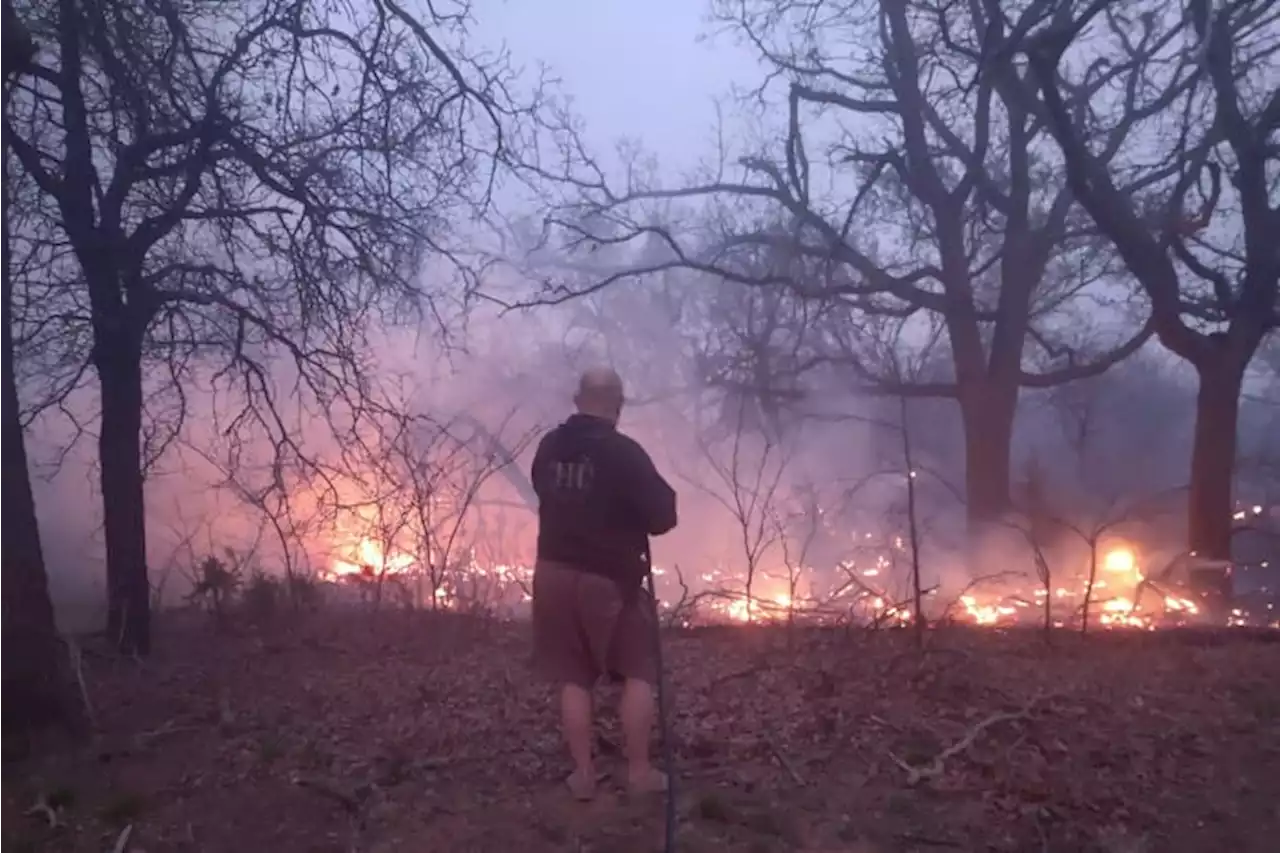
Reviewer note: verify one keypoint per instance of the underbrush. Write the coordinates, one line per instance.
(391, 730)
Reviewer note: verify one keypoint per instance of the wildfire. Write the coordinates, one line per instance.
(758, 608)
(986, 614)
(1120, 560)
(1116, 598)
(1121, 567)
(780, 606)
(368, 558)
(466, 584)
(1121, 611)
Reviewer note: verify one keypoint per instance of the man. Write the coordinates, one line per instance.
(600, 498)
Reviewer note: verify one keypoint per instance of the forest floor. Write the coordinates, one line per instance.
(413, 732)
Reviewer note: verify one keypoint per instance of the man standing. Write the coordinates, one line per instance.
(600, 498)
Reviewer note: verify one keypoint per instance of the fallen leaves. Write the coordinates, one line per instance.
(401, 731)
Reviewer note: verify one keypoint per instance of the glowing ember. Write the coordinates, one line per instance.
(1122, 612)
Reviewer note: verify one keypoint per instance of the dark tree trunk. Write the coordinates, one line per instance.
(119, 363)
(37, 689)
(988, 416)
(1213, 456)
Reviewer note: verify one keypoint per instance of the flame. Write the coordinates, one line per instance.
(367, 557)
(986, 614)
(1120, 560)
(1122, 612)
(763, 608)
(1114, 595)
(1119, 610)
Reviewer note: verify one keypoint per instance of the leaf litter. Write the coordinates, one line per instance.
(394, 731)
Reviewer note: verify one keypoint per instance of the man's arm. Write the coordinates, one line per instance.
(647, 491)
(536, 476)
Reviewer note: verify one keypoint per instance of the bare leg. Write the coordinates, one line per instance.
(575, 714)
(636, 710)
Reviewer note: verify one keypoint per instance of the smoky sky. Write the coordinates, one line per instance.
(641, 71)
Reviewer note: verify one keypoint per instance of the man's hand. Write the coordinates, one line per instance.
(652, 496)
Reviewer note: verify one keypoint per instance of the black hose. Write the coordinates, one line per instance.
(664, 725)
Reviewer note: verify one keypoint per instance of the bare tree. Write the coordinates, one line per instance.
(292, 499)
(1042, 534)
(1094, 532)
(37, 688)
(954, 216)
(291, 527)
(746, 472)
(1203, 248)
(238, 182)
(913, 525)
(447, 483)
(389, 528)
(424, 478)
(1117, 521)
(799, 524)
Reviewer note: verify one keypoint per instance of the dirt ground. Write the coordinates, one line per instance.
(411, 732)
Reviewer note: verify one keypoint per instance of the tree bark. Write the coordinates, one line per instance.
(37, 689)
(1213, 455)
(988, 416)
(118, 358)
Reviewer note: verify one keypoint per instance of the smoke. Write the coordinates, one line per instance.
(818, 480)
(809, 475)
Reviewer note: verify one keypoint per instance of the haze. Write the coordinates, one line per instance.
(662, 78)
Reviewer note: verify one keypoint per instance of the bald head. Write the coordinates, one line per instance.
(600, 393)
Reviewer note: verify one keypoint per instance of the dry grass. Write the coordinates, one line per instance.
(408, 732)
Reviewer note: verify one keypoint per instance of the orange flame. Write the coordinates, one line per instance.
(368, 557)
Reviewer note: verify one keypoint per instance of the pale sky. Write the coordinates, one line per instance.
(635, 68)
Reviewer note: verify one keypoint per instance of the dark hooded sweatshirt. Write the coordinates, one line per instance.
(599, 499)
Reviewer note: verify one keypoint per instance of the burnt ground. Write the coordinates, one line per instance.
(413, 732)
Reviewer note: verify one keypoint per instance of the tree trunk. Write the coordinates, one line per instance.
(119, 363)
(987, 415)
(1213, 456)
(37, 687)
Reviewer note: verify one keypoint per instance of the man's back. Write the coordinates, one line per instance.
(600, 498)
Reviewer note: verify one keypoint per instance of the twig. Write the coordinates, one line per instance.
(733, 676)
(919, 773)
(786, 764)
(350, 802)
(76, 658)
(927, 841)
(46, 810)
(122, 840)
(144, 738)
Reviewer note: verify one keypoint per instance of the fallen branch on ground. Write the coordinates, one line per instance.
(754, 669)
(75, 657)
(786, 764)
(351, 801)
(919, 773)
(43, 808)
(122, 840)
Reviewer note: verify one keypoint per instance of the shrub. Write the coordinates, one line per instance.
(262, 596)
